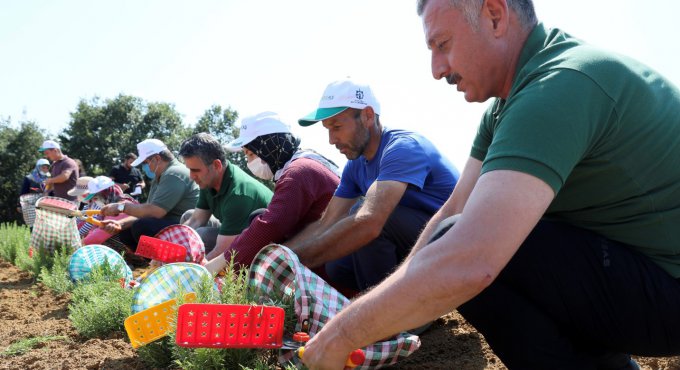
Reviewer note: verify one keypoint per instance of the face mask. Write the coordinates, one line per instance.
(260, 169)
(97, 203)
(44, 174)
(147, 170)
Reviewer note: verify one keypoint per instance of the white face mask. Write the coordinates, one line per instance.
(45, 174)
(260, 169)
(97, 203)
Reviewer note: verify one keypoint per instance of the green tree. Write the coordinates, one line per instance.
(18, 154)
(221, 124)
(102, 132)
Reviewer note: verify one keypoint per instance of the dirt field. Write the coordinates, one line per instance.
(30, 310)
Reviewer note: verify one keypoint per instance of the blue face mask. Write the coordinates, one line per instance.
(147, 171)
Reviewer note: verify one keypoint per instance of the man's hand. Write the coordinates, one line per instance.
(216, 265)
(111, 226)
(326, 351)
(110, 210)
(124, 187)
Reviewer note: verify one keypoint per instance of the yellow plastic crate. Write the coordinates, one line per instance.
(153, 323)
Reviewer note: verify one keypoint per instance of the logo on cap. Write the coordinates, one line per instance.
(359, 94)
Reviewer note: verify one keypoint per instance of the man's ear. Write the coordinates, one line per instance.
(367, 116)
(497, 12)
(217, 164)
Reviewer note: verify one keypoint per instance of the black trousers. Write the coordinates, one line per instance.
(570, 298)
(372, 263)
(143, 226)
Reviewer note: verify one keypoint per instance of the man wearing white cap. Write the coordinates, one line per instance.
(305, 182)
(64, 170)
(227, 193)
(172, 193)
(393, 183)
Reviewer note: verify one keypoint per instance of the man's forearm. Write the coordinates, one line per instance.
(219, 250)
(343, 238)
(144, 210)
(433, 290)
(309, 232)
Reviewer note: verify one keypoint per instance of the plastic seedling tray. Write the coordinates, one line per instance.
(160, 250)
(229, 326)
(153, 323)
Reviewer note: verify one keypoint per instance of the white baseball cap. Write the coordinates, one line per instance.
(98, 184)
(148, 148)
(253, 126)
(42, 162)
(49, 144)
(337, 97)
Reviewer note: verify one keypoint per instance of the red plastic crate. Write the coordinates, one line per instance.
(160, 250)
(229, 326)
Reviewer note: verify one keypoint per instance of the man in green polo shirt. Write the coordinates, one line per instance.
(565, 250)
(227, 193)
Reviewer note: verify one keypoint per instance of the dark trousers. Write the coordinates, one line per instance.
(372, 263)
(571, 299)
(143, 226)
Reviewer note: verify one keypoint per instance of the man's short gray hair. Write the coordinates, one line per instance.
(471, 8)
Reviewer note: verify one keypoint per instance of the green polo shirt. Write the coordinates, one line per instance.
(239, 195)
(603, 131)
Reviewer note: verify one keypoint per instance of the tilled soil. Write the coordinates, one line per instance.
(28, 309)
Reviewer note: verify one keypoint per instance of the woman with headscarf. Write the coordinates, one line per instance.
(305, 182)
(34, 182)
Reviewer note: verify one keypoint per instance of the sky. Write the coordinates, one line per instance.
(268, 55)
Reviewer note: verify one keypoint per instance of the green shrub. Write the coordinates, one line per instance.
(157, 355)
(13, 241)
(99, 305)
(57, 278)
(24, 345)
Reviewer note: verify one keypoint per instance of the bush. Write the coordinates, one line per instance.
(99, 305)
(57, 278)
(14, 242)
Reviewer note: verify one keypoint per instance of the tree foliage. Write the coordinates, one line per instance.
(18, 154)
(102, 132)
(221, 124)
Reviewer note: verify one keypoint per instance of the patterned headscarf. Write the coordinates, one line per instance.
(275, 149)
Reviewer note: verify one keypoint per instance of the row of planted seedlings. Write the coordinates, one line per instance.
(99, 306)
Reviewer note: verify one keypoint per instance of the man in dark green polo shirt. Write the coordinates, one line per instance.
(227, 193)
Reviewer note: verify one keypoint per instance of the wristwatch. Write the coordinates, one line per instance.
(121, 207)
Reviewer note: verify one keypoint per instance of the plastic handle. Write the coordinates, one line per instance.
(94, 221)
(356, 358)
(91, 212)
